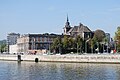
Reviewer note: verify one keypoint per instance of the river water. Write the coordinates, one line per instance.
(10, 70)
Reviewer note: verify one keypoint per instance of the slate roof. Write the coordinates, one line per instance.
(79, 29)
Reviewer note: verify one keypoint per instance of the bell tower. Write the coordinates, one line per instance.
(67, 26)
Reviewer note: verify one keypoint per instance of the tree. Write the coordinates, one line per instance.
(79, 43)
(3, 48)
(70, 43)
(100, 35)
(57, 44)
(105, 44)
(117, 38)
(66, 44)
(93, 43)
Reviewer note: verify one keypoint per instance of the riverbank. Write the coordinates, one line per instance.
(88, 58)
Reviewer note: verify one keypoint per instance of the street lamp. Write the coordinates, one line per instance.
(116, 44)
(98, 46)
(77, 47)
(49, 44)
(86, 44)
(59, 48)
(0, 48)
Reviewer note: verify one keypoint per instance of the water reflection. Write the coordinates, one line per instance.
(58, 71)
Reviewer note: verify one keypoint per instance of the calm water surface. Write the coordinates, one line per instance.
(58, 71)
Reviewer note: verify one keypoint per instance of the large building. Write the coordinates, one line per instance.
(39, 43)
(12, 39)
(81, 30)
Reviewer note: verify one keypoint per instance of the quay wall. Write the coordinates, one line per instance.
(8, 57)
(93, 58)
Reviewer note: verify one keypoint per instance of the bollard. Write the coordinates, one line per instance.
(19, 57)
(36, 59)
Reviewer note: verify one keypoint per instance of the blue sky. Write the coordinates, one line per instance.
(41, 16)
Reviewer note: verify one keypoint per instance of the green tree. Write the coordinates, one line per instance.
(66, 43)
(117, 38)
(105, 43)
(70, 43)
(57, 44)
(3, 48)
(93, 43)
(79, 43)
(100, 35)
(105, 40)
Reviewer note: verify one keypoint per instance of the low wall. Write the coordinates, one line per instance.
(94, 58)
(8, 57)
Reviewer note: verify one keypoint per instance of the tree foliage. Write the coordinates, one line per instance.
(93, 43)
(100, 35)
(70, 44)
(56, 44)
(79, 42)
(117, 38)
(65, 42)
(3, 48)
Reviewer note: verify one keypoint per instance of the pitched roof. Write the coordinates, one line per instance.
(80, 28)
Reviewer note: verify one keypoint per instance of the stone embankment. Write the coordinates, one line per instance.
(89, 58)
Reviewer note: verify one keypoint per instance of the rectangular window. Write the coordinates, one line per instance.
(37, 39)
(40, 39)
(32, 39)
(45, 39)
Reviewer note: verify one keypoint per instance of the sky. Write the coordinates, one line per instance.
(49, 16)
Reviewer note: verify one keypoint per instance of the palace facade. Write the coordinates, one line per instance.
(39, 43)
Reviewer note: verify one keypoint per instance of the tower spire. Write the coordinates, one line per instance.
(67, 26)
(67, 18)
(67, 23)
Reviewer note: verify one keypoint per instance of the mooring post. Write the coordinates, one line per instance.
(36, 59)
(19, 58)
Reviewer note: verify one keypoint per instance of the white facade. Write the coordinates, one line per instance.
(13, 49)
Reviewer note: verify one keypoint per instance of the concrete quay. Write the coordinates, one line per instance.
(88, 58)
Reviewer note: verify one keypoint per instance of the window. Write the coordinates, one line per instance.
(37, 39)
(45, 39)
(41, 39)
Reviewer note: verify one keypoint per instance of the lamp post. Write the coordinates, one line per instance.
(59, 48)
(77, 47)
(0, 48)
(33, 43)
(116, 44)
(49, 44)
(103, 47)
(98, 47)
(24, 45)
(86, 45)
